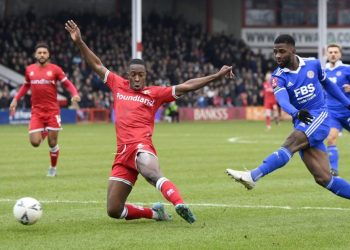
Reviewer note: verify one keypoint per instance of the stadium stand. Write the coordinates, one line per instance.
(173, 49)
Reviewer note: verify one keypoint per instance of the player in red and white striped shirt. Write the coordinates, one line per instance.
(42, 78)
(135, 106)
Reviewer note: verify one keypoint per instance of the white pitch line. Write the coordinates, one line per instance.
(200, 205)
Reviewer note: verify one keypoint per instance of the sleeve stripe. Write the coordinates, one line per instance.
(64, 78)
(106, 76)
(278, 90)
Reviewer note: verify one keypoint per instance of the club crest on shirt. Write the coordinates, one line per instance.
(338, 73)
(31, 73)
(49, 73)
(274, 82)
(310, 74)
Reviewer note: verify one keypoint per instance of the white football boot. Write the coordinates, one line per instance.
(243, 177)
(52, 172)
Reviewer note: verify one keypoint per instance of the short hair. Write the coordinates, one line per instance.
(285, 38)
(137, 61)
(334, 45)
(41, 45)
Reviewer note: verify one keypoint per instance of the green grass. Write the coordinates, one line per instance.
(286, 210)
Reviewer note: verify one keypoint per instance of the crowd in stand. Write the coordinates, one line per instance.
(173, 49)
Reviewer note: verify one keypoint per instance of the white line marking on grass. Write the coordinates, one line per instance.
(237, 140)
(199, 205)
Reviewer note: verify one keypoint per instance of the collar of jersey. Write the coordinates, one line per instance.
(301, 63)
(337, 64)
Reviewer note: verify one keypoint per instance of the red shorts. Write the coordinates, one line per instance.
(269, 104)
(124, 168)
(44, 121)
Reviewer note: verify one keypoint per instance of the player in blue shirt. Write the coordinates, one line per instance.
(298, 86)
(339, 74)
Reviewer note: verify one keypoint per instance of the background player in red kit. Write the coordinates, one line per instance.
(42, 79)
(135, 106)
(270, 103)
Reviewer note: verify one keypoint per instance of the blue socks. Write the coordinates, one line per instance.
(339, 187)
(271, 163)
(279, 158)
(333, 157)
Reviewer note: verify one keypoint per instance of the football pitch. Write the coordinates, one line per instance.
(286, 210)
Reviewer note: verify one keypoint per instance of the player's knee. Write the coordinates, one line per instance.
(114, 212)
(152, 178)
(52, 143)
(322, 180)
(35, 143)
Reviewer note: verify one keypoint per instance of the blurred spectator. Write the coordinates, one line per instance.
(174, 51)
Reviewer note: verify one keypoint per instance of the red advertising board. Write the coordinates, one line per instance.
(212, 114)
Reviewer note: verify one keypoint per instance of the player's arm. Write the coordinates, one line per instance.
(197, 83)
(61, 76)
(283, 100)
(90, 57)
(21, 92)
(332, 88)
(346, 86)
(335, 91)
(72, 90)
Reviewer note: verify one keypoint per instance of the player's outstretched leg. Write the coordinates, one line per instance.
(172, 194)
(274, 161)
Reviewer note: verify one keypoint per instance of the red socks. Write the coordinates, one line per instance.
(132, 212)
(268, 121)
(169, 191)
(54, 152)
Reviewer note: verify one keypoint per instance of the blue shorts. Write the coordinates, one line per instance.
(339, 120)
(317, 131)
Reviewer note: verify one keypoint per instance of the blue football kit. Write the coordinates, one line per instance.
(303, 89)
(340, 115)
(339, 75)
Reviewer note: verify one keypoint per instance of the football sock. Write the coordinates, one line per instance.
(169, 191)
(132, 212)
(268, 121)
(333, 156)
(274, 161)
(339, 187)
(54, 152)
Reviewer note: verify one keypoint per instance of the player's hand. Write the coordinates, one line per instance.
(304, 116)
(346, 87)
(73, 30)
(226, 71)
(13, 105)
(75, 98)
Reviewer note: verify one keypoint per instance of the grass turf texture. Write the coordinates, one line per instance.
(286, 210)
